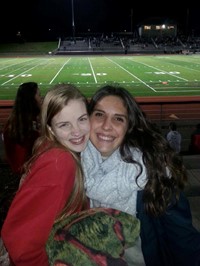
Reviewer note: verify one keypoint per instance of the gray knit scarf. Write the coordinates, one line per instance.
(111, 182)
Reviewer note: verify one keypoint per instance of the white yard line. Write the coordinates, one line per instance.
(7, 66)
(188, 68)
(131, 74)
(59, 71)
(20, 74)
(16, 69)
(95, 79)
(160, 70)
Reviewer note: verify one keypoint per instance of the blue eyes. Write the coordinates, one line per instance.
(69, 125)
(64, 125)
(84, 119)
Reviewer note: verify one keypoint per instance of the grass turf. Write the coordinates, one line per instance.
(149, 75)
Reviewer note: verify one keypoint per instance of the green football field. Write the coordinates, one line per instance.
(155, 75)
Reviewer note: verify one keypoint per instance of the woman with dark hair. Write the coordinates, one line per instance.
(130, 166)
(22, 127)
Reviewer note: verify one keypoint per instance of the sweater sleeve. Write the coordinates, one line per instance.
(35, 207)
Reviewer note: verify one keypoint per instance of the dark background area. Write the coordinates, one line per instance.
(51, 19)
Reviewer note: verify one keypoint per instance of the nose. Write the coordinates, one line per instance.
(107, 125)
(75, 130)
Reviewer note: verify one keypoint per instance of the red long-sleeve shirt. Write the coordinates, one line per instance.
(35, 207)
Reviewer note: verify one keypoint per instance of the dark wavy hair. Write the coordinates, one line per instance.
(25, 111)
(164, 168)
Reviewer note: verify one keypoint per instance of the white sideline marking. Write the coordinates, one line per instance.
(161, 71)
(95, 79)
(20, 74)
(59, 71)
(132, 74)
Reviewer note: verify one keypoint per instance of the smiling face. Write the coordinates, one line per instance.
(109, 123)
(71, 125)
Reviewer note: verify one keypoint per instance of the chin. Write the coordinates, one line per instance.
(79, 148)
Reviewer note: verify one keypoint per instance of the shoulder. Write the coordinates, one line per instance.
(51, 166)
(56, 157)
(137, 153)
(169, 133)
(52, 152)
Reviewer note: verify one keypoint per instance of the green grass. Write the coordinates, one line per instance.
(156, 75)
(28, 47)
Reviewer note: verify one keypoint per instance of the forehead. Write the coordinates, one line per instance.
(111, 104)
(73, 110)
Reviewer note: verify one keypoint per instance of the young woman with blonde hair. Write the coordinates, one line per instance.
(52, 184)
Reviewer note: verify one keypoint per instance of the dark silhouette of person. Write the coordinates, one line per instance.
(194, 146)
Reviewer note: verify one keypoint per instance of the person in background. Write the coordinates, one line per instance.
(128, 165)
(52, 185)
(22, 127)
(174, 137)
(194, 147)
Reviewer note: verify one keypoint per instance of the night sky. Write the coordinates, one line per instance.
(50, 19)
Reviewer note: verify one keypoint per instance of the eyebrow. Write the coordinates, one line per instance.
(121, 115)
(64, 122)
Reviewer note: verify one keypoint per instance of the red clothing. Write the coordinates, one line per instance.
(18, 154)
(195, 143)
(36, 205)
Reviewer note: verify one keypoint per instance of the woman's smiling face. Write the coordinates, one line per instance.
(71, 126)
(109, 124)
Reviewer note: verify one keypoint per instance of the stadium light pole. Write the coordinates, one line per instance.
(187, 22)
(131, 20)
(73, 24)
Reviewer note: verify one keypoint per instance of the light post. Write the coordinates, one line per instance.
(73, 24)
(131, 20)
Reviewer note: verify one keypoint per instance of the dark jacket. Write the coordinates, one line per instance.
(171, 239)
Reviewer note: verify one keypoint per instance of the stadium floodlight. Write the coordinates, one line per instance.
(73, 24)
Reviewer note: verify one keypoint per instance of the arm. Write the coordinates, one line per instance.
(35, 207)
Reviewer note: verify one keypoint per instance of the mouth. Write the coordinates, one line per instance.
(102, 137)
(78, 141)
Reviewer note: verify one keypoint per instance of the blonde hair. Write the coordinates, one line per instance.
(53, 103)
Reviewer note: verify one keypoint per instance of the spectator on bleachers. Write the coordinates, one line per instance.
(22, 127)
(194, 147)
(174, 137)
